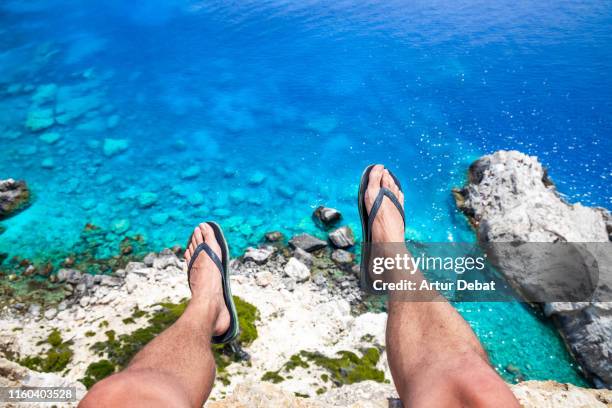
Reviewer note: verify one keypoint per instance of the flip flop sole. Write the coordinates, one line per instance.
(234, 328)
(365, 233)
(364, 277)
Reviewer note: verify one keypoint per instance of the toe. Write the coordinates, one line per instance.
(386, 181)
(375, 177)
(207, 232)
(198, 237)
(187, 255)
(374, 181)
(209, 237)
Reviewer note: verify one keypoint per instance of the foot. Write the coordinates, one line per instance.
(205, 279)
(388, 225)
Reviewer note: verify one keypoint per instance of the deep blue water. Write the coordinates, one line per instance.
(280, 105)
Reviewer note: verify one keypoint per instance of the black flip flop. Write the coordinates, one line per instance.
(368, 219)
(223, 266)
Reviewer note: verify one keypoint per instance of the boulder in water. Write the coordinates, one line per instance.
(307, 242)
(274, 236)
(326, 216)
(14, 197)
(342, 237)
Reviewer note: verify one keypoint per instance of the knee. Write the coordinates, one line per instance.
(478, 385)
(136, 389)
(109, 392)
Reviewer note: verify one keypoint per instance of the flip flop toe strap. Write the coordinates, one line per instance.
(384, 192)
(206, 248)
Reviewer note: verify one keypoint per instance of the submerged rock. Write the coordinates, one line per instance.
(160, 218)
(120, 226)
(342, 238)
(14, 197)
(510, 198)
(50, 137)
(147, 199)
(307, 242)
(47, 163)
(196, 198)
(39, 119)
(113, 147)
(76, 101)
(322, 124)
(191, 172)
(274, 236)
(44, 93)
(257, 178)
(326, 216)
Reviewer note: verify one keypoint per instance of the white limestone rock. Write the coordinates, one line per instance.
(297, 270)
(510, 198)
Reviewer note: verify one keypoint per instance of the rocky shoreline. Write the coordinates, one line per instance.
(270, 277)
(510, 198)
(286, 354)
(287, 309)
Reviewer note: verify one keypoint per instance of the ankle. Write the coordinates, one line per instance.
(202, 311)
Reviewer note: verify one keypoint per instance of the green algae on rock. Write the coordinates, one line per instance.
(55, 359)
(120, 349)
(348, 368)
(273, 377)
(97, 371)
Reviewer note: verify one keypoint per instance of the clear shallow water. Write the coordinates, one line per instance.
(281, 105)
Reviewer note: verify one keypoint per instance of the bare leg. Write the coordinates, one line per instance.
(435, 358)
(176, 369)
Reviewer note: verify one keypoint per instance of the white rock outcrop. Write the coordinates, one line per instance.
(510, 198)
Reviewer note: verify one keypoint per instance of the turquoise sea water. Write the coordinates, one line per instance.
(151, 117)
